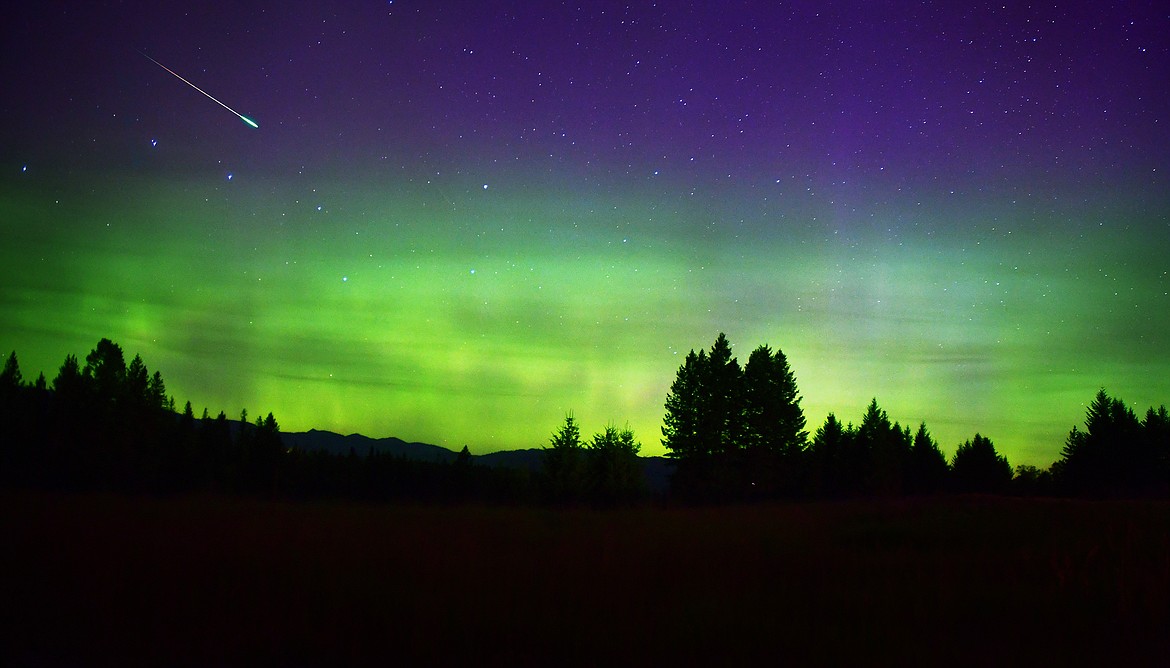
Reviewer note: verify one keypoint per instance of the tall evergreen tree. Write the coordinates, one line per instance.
(156, 391)
(773, 418)
(1107, 457)
(773, 423)
(105, 370)
(69, 384)
(680, 430)
(977, 467)
(721, 416)
(615, 474)
(564, 462)
(703, 427)
(10, 378)
(885, 449)
(927, 471)
(1156, 443)
(137, 382)
(831, 455)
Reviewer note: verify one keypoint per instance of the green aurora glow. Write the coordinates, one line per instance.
(483, 316)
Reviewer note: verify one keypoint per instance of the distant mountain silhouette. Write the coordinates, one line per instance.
(656, 469)
(338, 444)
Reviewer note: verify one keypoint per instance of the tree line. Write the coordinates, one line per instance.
(739, 433)
(108, 425)
(111, 425)
(733, 434)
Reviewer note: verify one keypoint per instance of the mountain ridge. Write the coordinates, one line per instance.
(656, 469)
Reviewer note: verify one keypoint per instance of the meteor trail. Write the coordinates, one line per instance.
(242, 117)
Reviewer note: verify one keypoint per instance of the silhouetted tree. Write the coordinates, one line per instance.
(927, 471)
(680, 431)
(834, 471)
(137, 383)
(977, 467)
(1156, 445)
(773, 424)
(564, 463)
(10, 378)
(1031, 481)
(1116, 455)
(69, 383)
(615, 475)
(156, 391)
(885, 447)
(721, 409)
(105, 370)
(703, 427)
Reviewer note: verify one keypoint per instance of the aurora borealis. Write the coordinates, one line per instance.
(458, 222)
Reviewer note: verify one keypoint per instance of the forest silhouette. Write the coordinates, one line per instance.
(733, 433)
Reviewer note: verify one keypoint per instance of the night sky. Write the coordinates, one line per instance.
(458, 221)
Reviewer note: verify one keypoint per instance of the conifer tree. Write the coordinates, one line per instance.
(830, 455)
(721, 408)
(977, 467)
(680, 431)
(1156, 443)
(927, 471)
(157, 391)
(564, 462)
(137, 382)
(105, 370)
(10, 378)
(69, 384)
(883, 450)
(773, 419)
(773, 424)
(615, 474)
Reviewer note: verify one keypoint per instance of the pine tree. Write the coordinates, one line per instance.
(773, 419)
(156, 391)
(105, 370)
(773, 423)
(977, 467)
(721, 411)
(615, 473)
(703, 427)
(10, 378)
(1107, 458)
(69, 384)
(883, 451)
(1156, 442)
(680, 431)
(138, 382)
(927, 471)
(830, 455)
(564, 462)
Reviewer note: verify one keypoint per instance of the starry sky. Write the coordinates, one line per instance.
(458, 221)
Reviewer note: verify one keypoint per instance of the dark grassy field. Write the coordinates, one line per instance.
(201, 580)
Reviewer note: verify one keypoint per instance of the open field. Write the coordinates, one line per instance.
(204, 580)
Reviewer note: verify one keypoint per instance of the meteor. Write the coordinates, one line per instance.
(242, 117)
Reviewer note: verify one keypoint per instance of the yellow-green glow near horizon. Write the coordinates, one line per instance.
(386, 311)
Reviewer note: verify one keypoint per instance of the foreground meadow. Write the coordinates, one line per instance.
(205, 580)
